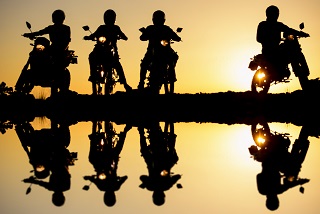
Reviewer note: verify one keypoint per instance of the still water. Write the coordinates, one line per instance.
(213, 170)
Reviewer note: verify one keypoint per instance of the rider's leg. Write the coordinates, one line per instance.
(143, 69)
(122, 77)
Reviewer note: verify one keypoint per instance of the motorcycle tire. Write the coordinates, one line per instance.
(260, 130)
(260, 82)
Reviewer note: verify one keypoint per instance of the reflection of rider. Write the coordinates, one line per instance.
(155, 33)
(269, 35)
(112, 33)
(48, 153)
(60, 36)
(280, 168)
(160, 156)
(104, 156)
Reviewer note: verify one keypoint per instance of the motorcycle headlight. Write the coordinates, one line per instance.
(290, 37)
(40, 47)
(261, 75)
(102, 39)
(164, 42)
(164, 173)
(40, 168)
(102, 176)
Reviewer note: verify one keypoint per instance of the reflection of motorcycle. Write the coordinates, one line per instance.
(49, 156)
(291, 53)
(105, 73)
(162, 67)
(4, 89)
(280, 167)
(160, 156)
(105, 149)
(39, 69)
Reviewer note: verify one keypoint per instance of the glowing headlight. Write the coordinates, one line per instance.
(164, 173)
(40, 47)
(102, 39)
(164, 42)
(102, 176)
(40, 168)
(290, 37)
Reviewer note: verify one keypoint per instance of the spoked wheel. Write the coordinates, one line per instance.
(260, 133)
(260, 82)
(108, 88)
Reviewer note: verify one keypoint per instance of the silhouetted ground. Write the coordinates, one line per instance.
(223, 107)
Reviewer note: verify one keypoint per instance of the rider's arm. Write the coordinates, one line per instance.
(38, 33)
(145, 36)
(121, 35)
(260, 37)
(287, 30)
(174, 36)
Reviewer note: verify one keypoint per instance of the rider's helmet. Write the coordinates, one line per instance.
(158, 17)
(109, 17)
(58, 17)
(109, 198)
(272, 202)
(58, 198)
(272, 13)
(158, 197)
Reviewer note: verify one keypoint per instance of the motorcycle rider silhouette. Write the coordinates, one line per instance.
(58, 55)
(160, 156)
(276, 55)
(157, 34)
(280, 168)
(112, 33)
(48, 153)
(105, 149)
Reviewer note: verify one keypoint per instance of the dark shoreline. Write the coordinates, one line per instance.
(229, 107)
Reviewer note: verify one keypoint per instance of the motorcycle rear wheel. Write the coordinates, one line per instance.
(260, 82)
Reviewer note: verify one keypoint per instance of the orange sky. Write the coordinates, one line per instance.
(218, 38)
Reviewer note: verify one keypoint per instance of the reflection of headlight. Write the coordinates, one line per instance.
(102, 176)
(164, 42)
(40, 47)
(40, 168)
(102, 39)
(261, 140)
(261, 75)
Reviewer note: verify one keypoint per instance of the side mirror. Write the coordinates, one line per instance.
(179, 29)
(86, 28)
(28, 25)
(301, 26)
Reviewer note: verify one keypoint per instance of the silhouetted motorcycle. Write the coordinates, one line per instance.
(291, 53)
(160, 71)
(273, 147)
(39, 69)
(105, 74)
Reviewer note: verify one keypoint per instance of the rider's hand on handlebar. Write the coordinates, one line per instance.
(303, 34)
(86, 38)
(28, 35)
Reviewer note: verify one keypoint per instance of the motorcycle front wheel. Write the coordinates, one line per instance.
(260, 133)
(260, 82)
